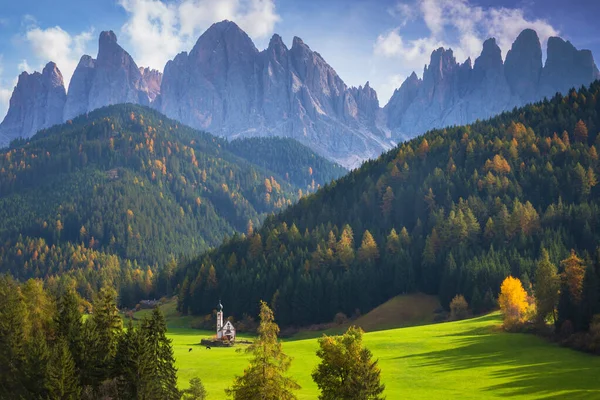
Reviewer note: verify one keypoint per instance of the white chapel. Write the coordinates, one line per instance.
(227, 331)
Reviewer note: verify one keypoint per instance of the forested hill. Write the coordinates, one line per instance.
(107, 195)
(280, 154)
(453, 211)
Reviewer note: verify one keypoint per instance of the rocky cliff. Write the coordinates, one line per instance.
(228, 87)
(456, 94)
(111, 78)
(36, 103)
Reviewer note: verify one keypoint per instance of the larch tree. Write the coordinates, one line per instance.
(512, 301)
(368, 251)
(265, 377)
(347, 371)
(581, 132)
(345, 246)
(572, 276)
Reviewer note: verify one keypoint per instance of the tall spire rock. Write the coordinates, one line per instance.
(36, 103)
(523, 66)
(215, 86)
(566, 68)
(112, 78)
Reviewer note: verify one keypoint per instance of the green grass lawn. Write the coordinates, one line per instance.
(469, 359)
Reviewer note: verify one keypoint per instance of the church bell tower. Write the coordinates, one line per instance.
(219, 319)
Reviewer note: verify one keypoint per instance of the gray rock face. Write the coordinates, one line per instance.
(523, 66)
(152, 79)
(112, 78)
(229, 88)
(453, 94)
(36, 103)
(566, 68)
(226, 86)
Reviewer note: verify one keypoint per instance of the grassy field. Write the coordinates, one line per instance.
(469, 359)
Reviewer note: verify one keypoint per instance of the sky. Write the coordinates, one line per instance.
(380, 41)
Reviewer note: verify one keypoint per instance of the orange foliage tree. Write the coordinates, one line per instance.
(512, 301)
(572, 276)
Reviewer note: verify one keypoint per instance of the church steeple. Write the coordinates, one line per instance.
(219, 317)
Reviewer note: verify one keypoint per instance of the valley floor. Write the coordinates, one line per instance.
(471, 359)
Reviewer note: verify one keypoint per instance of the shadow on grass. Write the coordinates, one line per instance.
(526, 365)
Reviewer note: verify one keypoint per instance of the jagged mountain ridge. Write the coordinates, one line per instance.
(451, 93)
(227, 86)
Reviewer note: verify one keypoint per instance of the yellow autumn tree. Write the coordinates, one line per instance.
(512, 301)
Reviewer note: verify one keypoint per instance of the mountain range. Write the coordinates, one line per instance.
(226, 86)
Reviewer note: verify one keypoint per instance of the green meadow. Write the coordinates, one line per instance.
(471, 359)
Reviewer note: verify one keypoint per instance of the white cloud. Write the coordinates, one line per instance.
(5, 91)
(24, 66)
(158, 30)
(403, 12)
(55, 44)
(451, 23)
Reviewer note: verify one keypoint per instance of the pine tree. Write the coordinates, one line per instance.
(160, 353)
(264, 378)
(37, 363)
(134, 367)
(69, 325)
(547, 285)
(62, 380)
(109, 326)
(346, 371)
(196, 391)
(12, 335)
(100, 337)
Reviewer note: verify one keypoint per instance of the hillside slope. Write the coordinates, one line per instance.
(123, 188)
(453, 211)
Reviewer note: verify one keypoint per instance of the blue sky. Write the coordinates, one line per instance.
(381, 41)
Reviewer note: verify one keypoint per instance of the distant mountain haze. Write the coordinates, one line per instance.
(226, 86)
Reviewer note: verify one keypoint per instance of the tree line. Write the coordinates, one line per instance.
(454, 211)
(568, 301)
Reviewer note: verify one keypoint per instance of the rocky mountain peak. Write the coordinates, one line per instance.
(566, 68)
(112, 78)
(441, 63)
(276, 44)
(223, 38)
(37, 102)
(523, 66)
(107, 37)
(52, 75)
(297, 42)
(490, 58)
